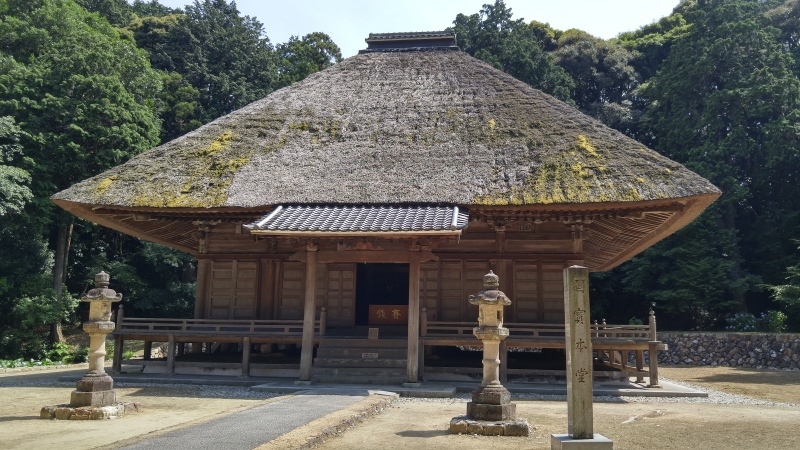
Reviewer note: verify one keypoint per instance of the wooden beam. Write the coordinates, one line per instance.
(201, 292)
(263, 255)
(413, 316)
(170, 354)
(309, 310)
(365, 256)
(246, 356)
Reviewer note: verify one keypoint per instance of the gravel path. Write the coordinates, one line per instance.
(714, 397)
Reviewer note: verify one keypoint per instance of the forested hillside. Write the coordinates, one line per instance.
(87, 84)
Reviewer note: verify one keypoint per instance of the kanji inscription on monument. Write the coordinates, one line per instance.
(579, 353)
(580, 427)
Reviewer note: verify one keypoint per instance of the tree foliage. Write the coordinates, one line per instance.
(300, 57)
(14, 191)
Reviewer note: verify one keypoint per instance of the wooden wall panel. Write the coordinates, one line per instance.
(266, 288)
(450, 291)
(473, 283)
(291, 290)
(429, 288)
(526, 291)
(340, 287)
(245, 293)
(233, 290)
(552, 281)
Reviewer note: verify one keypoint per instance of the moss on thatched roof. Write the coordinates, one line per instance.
(399, 127)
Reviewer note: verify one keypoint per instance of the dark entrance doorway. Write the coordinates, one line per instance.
(379, 284)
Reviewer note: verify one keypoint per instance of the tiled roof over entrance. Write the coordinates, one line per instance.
(362, 219)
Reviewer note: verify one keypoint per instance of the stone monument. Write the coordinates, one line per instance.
(580, 428)
(94, 396)
(490, 412)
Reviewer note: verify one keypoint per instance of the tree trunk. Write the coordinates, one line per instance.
(60, 274)
(736, 267)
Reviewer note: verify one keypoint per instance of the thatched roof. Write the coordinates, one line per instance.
(416, 127)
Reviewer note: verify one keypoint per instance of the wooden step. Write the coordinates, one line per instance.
(363, 343)
(359, 363)
(361, 353)
(358, 375)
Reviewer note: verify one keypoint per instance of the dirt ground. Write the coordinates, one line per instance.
(163, 408)
(423, 424)
(776, 385)
(656, 425)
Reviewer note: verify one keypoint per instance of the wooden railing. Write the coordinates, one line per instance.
(534, 331)
(611, 342)
(212, 327)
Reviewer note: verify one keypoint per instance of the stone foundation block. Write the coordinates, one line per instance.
(48, 412)
(491, 395)
(465, 425)
(96, 398)
(566, 442)
(95, 384)
(482, 411)
(83, 413)
(65, 412)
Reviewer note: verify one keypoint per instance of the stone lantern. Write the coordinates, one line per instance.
(96, 388)
(490, 412)
(94, 396)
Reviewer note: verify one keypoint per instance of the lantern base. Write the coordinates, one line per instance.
(465, 425)
(67, 412)
(492, 402)
(94, 390)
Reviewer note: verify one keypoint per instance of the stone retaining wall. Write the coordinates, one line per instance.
(747, 350)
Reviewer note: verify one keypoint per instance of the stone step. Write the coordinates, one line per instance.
(349, 352)
(363, 343)
(350, 375)
(359, 362)
(359, 379)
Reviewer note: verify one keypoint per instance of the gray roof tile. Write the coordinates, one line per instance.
(361, 218)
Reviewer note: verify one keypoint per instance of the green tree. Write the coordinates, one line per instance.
(14, 190)
(152, 8)
(118, 12)
(788, 292)
(84, 97)
(785, 17)
(604, 78)
(216, 50)
(300, 57)
(511, 46)
(725, 103)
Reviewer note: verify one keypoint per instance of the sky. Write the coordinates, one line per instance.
(348, 22)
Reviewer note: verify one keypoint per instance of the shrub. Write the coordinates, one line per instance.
(772, 322)
(80, 355)
(741, 322)
(768, 322)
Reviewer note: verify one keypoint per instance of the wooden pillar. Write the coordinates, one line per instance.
(203, 274)
(413, 317)
(639, 365)
(309, 313)
(116, 365)
(246, 356)
(148, 350)
(170, 354)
